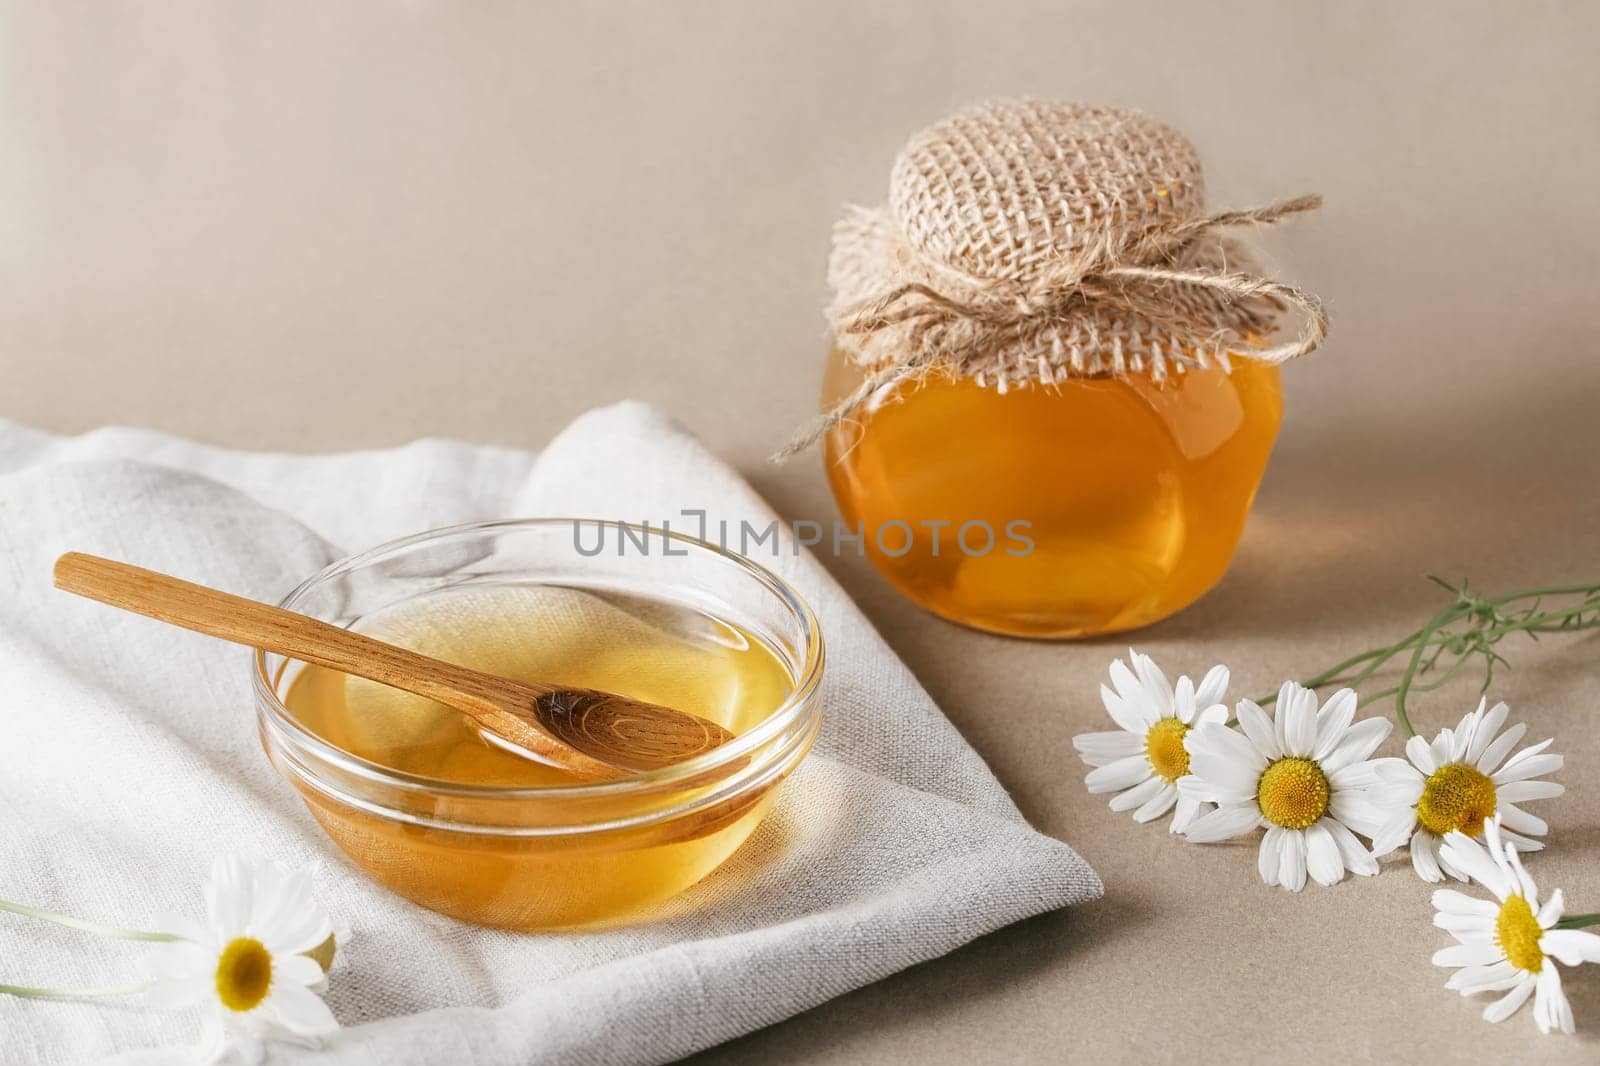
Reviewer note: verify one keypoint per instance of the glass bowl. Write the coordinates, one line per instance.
(570, 853)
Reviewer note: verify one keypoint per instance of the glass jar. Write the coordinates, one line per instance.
(569, 853)
(1053, 388)
(1088, 506)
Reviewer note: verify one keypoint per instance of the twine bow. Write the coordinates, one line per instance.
(1134, 277)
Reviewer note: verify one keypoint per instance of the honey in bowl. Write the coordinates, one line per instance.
(422, 801)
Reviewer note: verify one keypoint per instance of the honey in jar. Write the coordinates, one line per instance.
(1052, 378)
(1124, 496)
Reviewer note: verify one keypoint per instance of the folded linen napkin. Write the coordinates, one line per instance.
(129, 759)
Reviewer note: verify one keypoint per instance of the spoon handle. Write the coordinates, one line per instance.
(260, 625)
(591, 733)
(501, 706)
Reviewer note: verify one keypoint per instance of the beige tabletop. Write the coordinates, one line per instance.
(319, 226)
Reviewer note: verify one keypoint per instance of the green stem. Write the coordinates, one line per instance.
(1468, 628)
(73, 993)
(81, 925)
(1578, 921)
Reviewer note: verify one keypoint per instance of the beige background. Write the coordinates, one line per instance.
(317, 226)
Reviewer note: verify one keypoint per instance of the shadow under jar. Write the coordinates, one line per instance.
(416, 797)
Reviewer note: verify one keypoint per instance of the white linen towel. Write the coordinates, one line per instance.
(129, 760)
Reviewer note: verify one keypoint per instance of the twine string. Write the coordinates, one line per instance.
(1136, 278)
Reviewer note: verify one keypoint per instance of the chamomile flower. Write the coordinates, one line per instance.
(1508, 944)
(1455, 784)
(1142, 760)
(1300, 774)
(254, 965)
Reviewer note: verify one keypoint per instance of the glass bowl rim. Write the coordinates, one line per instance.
(798, 709)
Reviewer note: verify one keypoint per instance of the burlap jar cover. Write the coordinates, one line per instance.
(1029, 242)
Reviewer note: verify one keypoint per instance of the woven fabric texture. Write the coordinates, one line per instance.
(131, 760)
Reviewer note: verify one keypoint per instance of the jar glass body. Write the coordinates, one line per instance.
(1090, 506)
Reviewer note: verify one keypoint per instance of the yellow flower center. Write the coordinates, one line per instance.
(1163, 746)
(1517, 932)
(1293, 793)
(244, 974)
(1455, 797)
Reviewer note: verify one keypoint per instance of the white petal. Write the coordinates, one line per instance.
(1496, 751)
(1225, 777)
(1357, 776)
(1468, 955)
(1520, 842)
(1470, 857)
(1394, 832)
(1138, 795)
(1322, 855)
(1466, 928)
(1292, 868)
(1550, 1007)
(1258, 728)
(1489, 723)
(1526, 791)
(1552, 910)
(227, 895)
(297, 969)
(1128, 686)
(1424, 859)
(1299, 721)
(1159, 804)
(1216, 714)
(1398, 773)
(1224, 823)
(1124, 773)
(1497, 976)
(1157, 689)
(1450, 901)
(1520, 769)
(1334, 718)
(1270, 855)
(1127, 705)
(1200, 790)
(1571, 947)
(1188, 810)
(1516, 818)
(1449, 867)
(181, 959)
(1529, 890)
(1183, 700)
(1212, 687)
(1359, 741)
(173, 993)
(297, 923)
(1443, 747)
(1507, 1005)
(1227, 743)
(1353, 810)
(1417, 751)
(1103, 749)
(1356, 858)
(300, 1011)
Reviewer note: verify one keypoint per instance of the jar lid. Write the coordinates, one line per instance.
(1027, 241)
(1009, 189)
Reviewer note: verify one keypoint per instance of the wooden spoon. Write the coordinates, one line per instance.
(586, 731)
